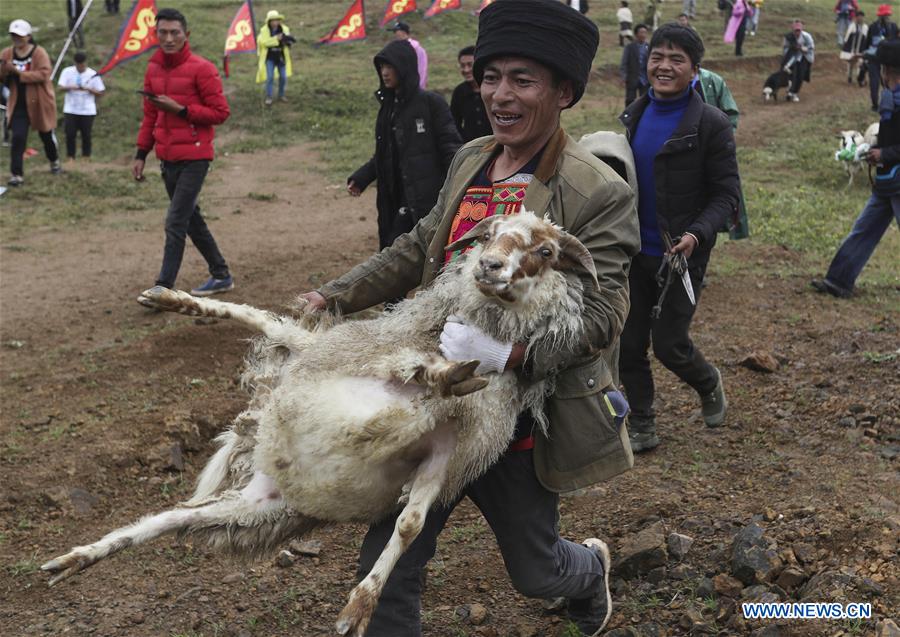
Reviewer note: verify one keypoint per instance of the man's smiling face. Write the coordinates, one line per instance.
(669, 70)
(522, 100)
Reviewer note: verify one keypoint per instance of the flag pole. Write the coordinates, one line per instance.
(69, 39)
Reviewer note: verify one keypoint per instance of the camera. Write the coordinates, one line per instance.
(288, 39)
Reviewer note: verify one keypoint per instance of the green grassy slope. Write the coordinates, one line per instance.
(793, 187)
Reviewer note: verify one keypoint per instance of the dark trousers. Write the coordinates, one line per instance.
(19, 128)
(799, 72)
(183, 180)
(739, 38)
(633, 92)
(669, 334)
(525, 520)
(874, 82)
(858, 246)
(112, 6)
(74, 125)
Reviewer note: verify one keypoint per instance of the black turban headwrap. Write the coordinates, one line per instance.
(546, 31)
(888, 54)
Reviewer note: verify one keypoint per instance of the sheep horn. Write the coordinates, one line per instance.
(574, 256)
(472, 235)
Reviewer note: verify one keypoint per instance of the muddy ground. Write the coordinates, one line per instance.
(108, 412)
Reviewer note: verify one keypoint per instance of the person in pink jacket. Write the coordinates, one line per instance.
(737, 25)
(401, 32)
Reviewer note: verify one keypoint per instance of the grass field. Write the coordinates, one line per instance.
(794, 191)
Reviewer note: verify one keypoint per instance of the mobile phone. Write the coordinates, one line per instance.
(145, 93)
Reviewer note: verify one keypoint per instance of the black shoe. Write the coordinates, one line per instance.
(642, 433)
(826, 286)
(591, 615)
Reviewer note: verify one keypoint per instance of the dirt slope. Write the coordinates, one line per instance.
(108, 412)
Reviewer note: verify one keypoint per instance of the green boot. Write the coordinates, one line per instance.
(714, 404)
(642, 433)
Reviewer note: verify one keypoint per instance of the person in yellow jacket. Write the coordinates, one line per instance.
(273, 48)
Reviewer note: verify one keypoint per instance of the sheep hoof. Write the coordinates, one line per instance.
(160, 298)
(469, 386)
(66, 566)
(462, 371)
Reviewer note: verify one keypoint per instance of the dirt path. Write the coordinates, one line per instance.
(108, 412)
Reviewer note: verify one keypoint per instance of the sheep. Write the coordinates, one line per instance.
(851, 153)
(348, 419)
(870, 137)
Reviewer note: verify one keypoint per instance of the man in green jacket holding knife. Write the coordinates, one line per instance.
(532, 60)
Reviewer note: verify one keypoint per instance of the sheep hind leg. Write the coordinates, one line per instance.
(183, 303)
(427, 483)
(246, 522)
(449, 378)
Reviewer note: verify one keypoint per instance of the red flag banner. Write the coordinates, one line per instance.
(138, 34)
(439, 6)
(481, 6)
(352, 26)
(241, 37)
(397, 8)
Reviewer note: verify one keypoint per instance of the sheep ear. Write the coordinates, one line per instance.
(472, 235)
(574, 256)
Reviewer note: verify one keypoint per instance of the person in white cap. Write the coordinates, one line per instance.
(25, 69)
(273, 48)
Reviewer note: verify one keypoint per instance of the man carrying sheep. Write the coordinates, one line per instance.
(532, 60)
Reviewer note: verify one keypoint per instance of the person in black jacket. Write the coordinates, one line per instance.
(415, 139)
(466, 105)
(884, 204)
(633, 67)
(688, 183)
(880, 30)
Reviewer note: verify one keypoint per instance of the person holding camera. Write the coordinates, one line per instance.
(273, 46)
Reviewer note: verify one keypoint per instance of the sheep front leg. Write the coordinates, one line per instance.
(177, 301)
(444, 377)
(427, 483)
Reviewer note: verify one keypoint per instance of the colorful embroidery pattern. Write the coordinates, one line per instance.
(503, 198)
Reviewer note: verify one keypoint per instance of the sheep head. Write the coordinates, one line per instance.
(517, 250)
(850, 138)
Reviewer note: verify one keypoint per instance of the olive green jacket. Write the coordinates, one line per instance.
(716, 93)
(587, 198)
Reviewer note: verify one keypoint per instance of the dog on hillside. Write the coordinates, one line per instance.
(778, 80)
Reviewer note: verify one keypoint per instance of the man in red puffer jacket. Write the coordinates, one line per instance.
(183, 100)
